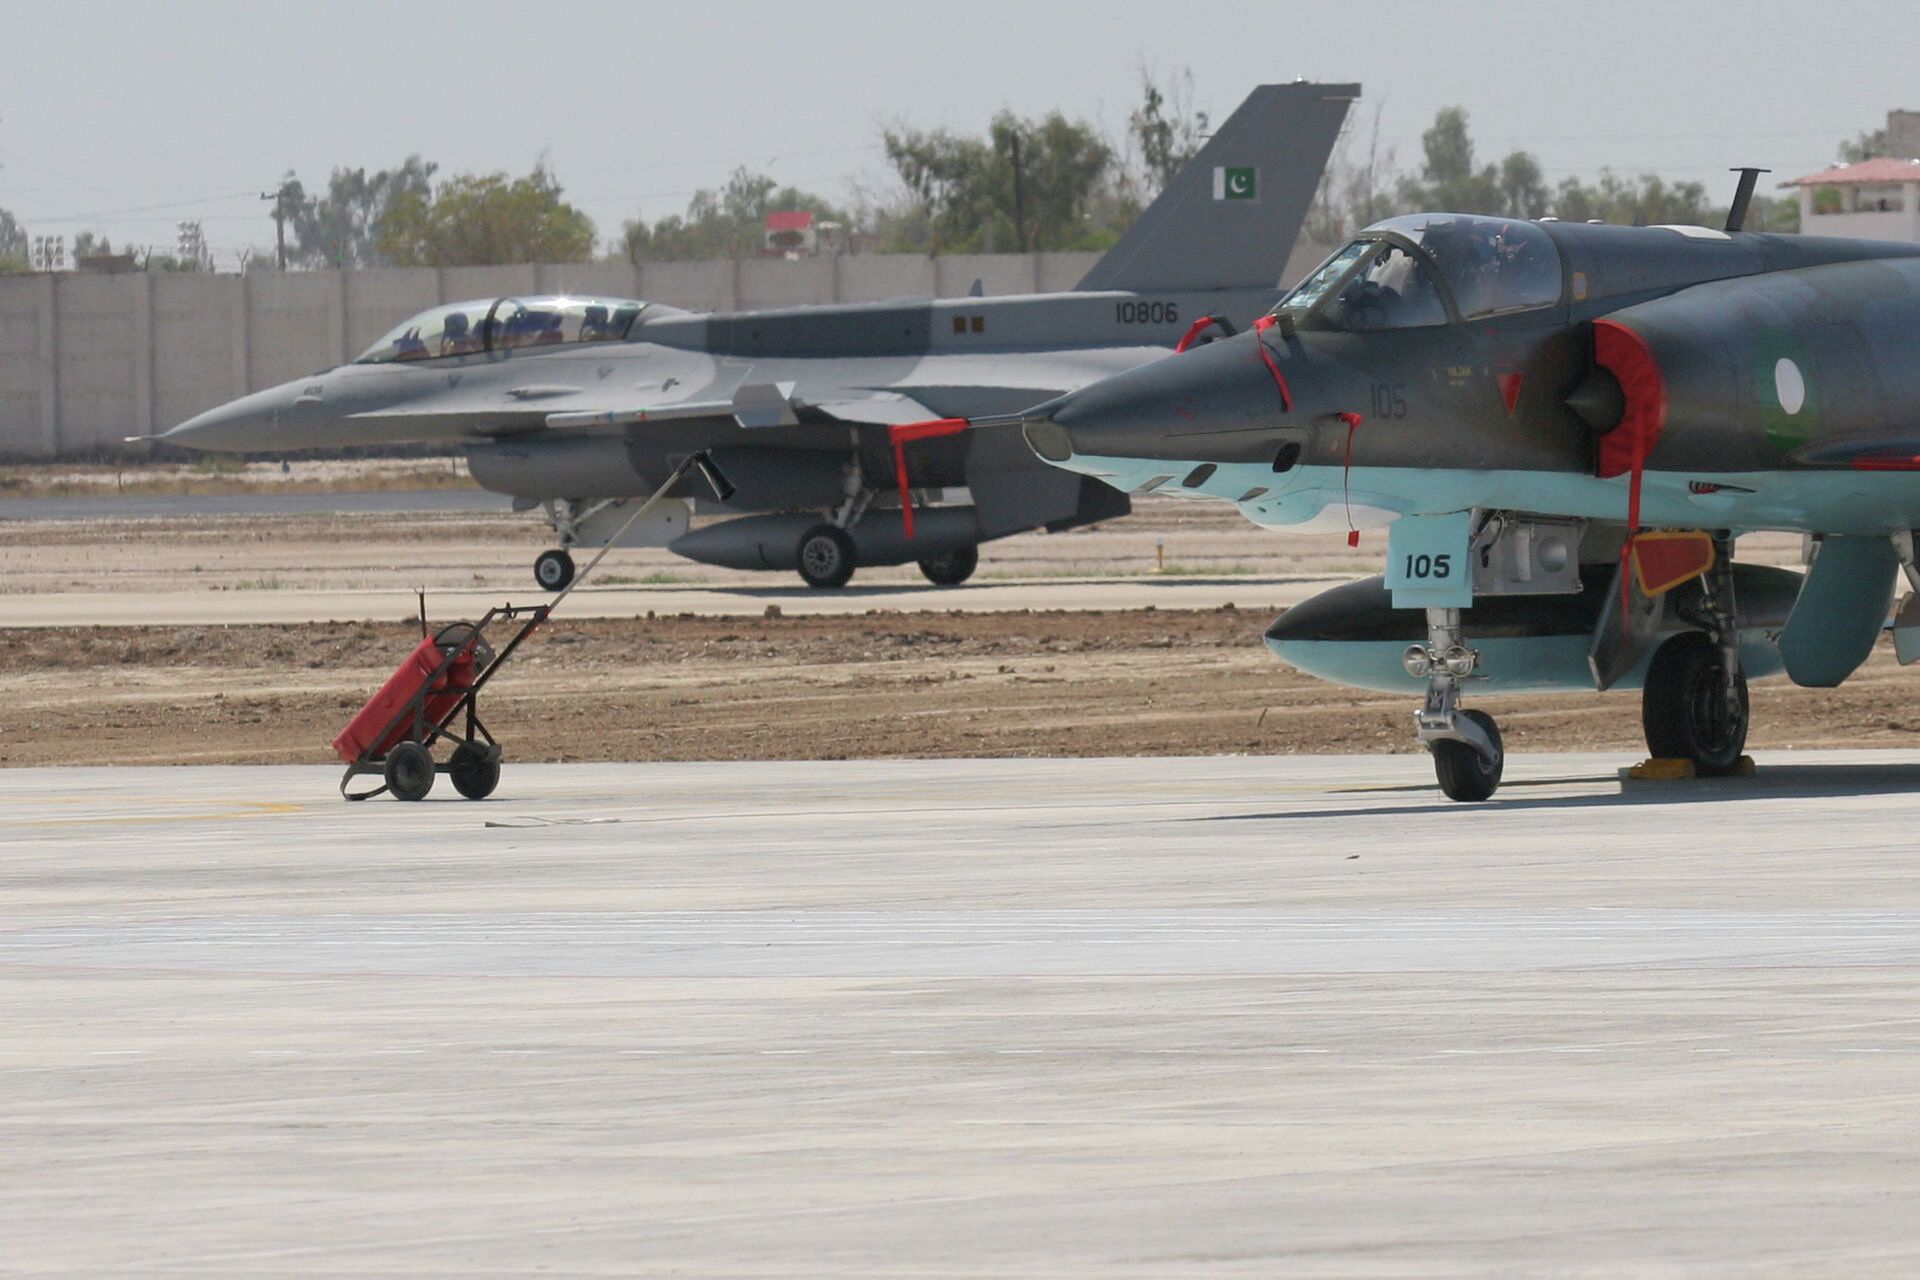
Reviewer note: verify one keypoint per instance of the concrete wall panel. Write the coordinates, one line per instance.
(1060, 272)
(23, 371)
(193, 345)
(998, 274)
(377, 301)
(96, 333)
(291, 325)
(605, 279)
(696, 286)
(774, 282)
(884, 277)
(463, 284)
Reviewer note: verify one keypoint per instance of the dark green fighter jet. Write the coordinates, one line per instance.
(1563, 429)
(580, 405)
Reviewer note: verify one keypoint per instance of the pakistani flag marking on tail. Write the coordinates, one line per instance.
(1236, 184)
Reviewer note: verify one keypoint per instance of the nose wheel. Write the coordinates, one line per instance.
(553, 570)
(1466, 771)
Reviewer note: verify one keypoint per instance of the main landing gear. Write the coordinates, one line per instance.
(951, 568)
(826, 557)
(1694, 705)
(1468, 756)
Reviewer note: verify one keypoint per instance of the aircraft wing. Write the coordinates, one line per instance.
(752, 405)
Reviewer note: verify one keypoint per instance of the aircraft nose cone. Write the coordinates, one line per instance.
(1152, 411)
(247, 423)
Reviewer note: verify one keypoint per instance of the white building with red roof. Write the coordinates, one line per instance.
(1876, 199)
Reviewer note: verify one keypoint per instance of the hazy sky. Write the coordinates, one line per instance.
(125, 117)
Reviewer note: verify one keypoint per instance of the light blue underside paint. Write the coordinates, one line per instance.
(1545, 664)
(1840, 612)
(1864, 502)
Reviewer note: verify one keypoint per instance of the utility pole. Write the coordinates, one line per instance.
(1020, 196)
(280, 215)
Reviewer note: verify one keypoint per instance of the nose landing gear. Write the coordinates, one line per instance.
(1468, 755)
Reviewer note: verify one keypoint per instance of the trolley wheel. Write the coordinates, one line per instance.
(553, 570)
(951, 568)
(409, 771)
(475, 770)
(826, 557)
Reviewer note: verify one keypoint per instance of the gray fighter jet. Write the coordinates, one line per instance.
(580, 405)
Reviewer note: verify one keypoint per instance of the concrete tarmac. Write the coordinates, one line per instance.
(296, 606)
(1250, 1016)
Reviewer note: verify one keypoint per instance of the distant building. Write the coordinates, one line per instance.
(1877, 199)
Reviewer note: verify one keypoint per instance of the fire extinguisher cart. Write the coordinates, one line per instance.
(434, 697)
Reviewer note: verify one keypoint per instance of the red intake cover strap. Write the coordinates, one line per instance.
(1625, 355)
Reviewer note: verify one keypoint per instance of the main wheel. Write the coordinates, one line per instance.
(951, 568)
(825, 557)
(1463, 774)
(553, 570)
(409, 771)
(1684, 707)
(475, 770)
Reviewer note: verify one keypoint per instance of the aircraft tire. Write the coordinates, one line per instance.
(951, 568)
(553, 570)
(409, 771)
(1682, 711)
(825, 557)
(475, 770)
(1463, 774)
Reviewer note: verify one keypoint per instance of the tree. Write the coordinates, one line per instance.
(1355, 189)
(343, 227)
(15, 251)
(1449, 179)
(485, 220)
(1648, 200)
(1166, 128)
(1870, 144)
(1029, 185)
(728, 223)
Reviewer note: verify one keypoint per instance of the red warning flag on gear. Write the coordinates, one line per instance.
(1664, 560)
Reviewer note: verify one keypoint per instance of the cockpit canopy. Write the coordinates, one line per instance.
(1430, 269)
(504, 324)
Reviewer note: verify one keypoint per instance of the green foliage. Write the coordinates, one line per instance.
(343, 227)
(1648, 200)
(1166, 128)
(13, 238)
(1450, 180)
(1870, 144)
(1029, 185)
(728, 223)
(484, 220)
(15, 252)
(90, 244)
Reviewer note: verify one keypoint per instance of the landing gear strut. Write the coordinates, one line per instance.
(1468, 756)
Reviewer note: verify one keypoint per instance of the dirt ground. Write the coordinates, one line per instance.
(894, 684)
(815, 687)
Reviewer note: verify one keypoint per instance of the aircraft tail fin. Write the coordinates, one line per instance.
(1229, 218)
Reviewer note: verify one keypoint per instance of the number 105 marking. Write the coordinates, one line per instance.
(1429, 566)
